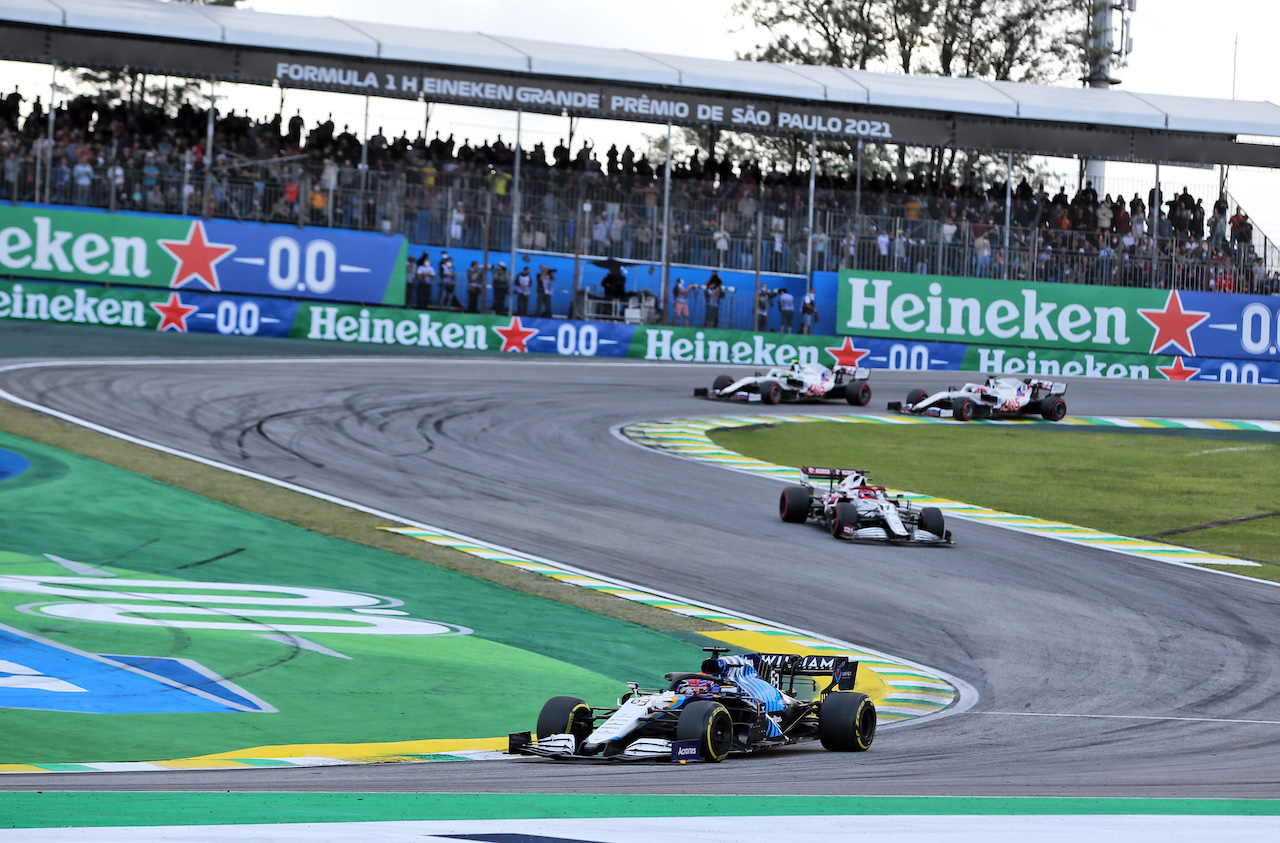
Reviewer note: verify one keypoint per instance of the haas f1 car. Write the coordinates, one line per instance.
(851, 508)
(997, 398)
(735, 704)
(795, 383)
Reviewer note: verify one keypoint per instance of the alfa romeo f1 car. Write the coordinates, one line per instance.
(997, 398)
(794, 383)
(851, 508)
(735, 704)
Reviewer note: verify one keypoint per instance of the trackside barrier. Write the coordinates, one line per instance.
(182, 311)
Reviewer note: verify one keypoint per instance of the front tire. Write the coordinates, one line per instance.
(562, 715)
(963, 409)
(770, 392)
(858, 394)
(931, 521)
(721, 382)
(793, 506)
(707, 722)
(1053, 409)
(915, 396)
(846, 515)
(847, 722)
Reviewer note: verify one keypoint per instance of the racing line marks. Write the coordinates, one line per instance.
(915, 690)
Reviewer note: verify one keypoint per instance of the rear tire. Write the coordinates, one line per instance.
(931, 521)
(793, 506)
(708, 723)
(858, 394)
(1053, 408)
(565, 715)
(721, 382)
(963, 410)
(847, 722)
(770, 392)
(846, 516)
(915, 396)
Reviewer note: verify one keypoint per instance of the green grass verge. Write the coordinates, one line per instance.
(322, 517)
(1132, 485)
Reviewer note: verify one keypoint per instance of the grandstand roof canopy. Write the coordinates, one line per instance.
(472, 68)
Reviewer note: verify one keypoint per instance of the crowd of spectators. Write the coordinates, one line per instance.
(140, 156)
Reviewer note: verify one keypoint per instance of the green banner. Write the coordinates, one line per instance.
(996, 312)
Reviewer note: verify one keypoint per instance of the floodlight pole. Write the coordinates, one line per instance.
(808, 247)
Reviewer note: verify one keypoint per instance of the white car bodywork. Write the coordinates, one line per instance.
(998, 396)
(879, 515)
(796, 382)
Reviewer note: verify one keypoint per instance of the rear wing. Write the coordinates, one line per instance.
(842, 670)
(857, 373)
(830, 473)
(1050, 387)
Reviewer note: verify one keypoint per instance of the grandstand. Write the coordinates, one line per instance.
(503, 197)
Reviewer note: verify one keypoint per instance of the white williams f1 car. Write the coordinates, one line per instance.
(794, 383)
(997, 398)
(851, 508)
(735, 704)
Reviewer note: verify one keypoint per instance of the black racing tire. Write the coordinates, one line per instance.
(915, 396)
(846, 516)
(565, 714)
(771, 392)
(931, 521)
(707, 722)
(721, 382)
(793, 506)
(858, 394)
(847, 722)
(963, 409)
(1053, 408)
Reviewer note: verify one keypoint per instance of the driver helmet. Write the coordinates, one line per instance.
(693, 687)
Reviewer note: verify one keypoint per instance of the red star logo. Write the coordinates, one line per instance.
(1177, 372)
(173, 314)
(196, 257)
(847, 355)
(515, 335)
(1173, 325)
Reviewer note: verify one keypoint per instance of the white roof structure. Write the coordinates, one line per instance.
(340, 38)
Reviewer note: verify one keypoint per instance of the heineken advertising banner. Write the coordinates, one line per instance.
(218, 256)
(180, 311)
(1077, 317)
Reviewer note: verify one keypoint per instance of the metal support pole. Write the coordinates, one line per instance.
(53, 92)
(857, 204)
(755, 320)
(208, 151)
(1008, 209)
(666, 229)
(515, 198)
(1155, 223)
(364, 153)
(808, 246)
(186, 182)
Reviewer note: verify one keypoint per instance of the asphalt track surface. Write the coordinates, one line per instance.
(1098, 674)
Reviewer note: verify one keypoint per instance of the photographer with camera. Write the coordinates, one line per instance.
(808, 311)
(714, 293)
